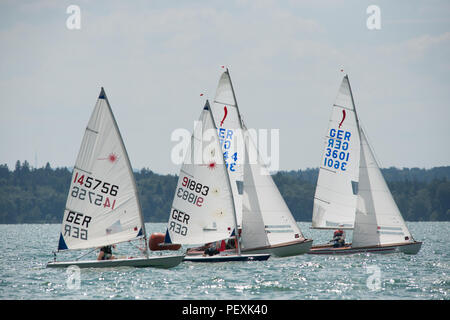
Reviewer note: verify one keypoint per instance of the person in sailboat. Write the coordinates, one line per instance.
(212, 250)
(201, 248)
(338, 238)
(231, 244)
(106, 253)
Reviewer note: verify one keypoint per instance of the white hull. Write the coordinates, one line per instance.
(284, 249)
(407, 248)
(227, 258)
(163, 262)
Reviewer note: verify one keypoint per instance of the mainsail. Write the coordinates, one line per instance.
(261, 211)
(337, 184)
(378, 219)
(229, 128)
(203, 209)
(102, 207)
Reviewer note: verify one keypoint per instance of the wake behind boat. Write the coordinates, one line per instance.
(103, 207)
(352, 193)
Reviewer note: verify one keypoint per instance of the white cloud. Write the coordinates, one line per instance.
(155, 58)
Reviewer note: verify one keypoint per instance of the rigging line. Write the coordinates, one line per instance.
(369, 143)
(85, 254)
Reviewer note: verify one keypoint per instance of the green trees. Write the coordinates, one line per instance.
(38, 195)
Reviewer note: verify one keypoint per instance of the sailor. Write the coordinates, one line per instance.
(212, 250)
(231, 244)
(338, 238)
(106, 253)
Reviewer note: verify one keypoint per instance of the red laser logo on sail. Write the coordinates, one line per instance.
(212, 165)
(111, 158)
(225, 115)
(343, 118)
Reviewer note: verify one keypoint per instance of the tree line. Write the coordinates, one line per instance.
(38, 195)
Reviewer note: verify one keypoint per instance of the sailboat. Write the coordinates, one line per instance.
(103, 206)
(203, 208)
(351, 192)
(265, 223)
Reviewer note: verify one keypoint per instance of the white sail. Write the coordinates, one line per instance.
(266, 219)
(227, 118)
(378, 219)
(203, 208)
(337, 184)
(102, 207)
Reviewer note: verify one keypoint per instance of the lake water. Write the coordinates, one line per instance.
(25, 250)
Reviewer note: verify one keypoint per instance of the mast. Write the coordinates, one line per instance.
(236, 231)
(354, 107)
(235, 100)
(103, 94)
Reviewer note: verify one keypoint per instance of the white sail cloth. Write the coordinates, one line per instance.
(337, 184)
(229, 128)
(378, 219)
(266, 219)
(102, 207)
(203, 208)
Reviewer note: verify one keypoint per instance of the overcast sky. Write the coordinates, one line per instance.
(154, 58)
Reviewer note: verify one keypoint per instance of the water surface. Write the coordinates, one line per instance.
(25, 250)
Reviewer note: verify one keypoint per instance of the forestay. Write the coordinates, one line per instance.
(337, 184)
(102, 207)
(202, 209)
(378, 219)
(227, 119)
(266, 218)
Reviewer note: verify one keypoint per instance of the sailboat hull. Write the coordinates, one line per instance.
(284, 249)
(227, 258)
(407, 248)
(163, 262)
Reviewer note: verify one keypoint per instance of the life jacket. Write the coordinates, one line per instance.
(338, 233)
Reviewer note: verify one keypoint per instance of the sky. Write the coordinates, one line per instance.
(155, 58)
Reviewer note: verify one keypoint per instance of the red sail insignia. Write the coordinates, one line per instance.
(225, 115)
(343, 118)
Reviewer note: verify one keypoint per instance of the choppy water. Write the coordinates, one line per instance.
(25, 250)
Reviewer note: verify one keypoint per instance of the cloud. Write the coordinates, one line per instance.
(154, 58)
(417, 47)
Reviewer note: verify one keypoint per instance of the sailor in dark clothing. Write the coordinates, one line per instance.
(211, 250)
(106, 253)
(338, 238)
